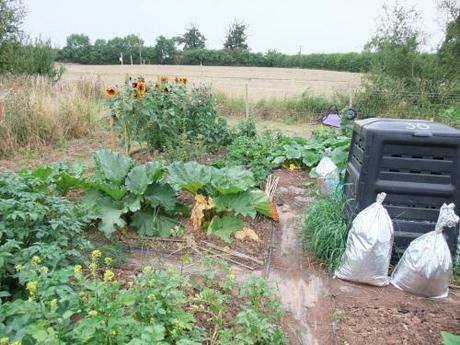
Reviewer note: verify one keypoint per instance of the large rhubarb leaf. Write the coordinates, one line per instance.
(150, 223)
(190, 176)
(141, 176)
(232, 180)
(262, 203)
(240, 203)
(162, 195)
(107, 210)
(112, 166)
(225, 227)
(115, 191)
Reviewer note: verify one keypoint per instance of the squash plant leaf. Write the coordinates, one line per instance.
(111, 166)
(225, 227)
(150, 223)
(141, 176)
(262, 203)
(240, 203)
(231, 180)
(190, 176)
(161, 195)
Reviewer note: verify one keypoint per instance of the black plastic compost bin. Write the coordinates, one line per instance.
(416, 163)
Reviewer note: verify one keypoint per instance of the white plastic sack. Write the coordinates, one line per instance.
(369, 244)
(426, 265)
(327, 176)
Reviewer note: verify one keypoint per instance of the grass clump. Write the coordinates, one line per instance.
(325, 230)
(39, 113)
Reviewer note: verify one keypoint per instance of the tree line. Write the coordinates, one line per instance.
(190, 49)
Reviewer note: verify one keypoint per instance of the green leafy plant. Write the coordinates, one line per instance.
(450, 339)
(34, 222)
(121, 190)
(161, 114)
(325, 230)
(220, 196)
(77, 305)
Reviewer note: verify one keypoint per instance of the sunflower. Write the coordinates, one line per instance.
(140, 88)
(156, 87)
(164, 79)
(110, 91)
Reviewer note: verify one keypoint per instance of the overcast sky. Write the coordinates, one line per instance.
(285, 25)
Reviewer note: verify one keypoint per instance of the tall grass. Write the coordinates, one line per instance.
(39, 113)
(325, 230)
(306, 107)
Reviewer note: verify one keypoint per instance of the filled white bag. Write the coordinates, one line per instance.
(369, 244)
(426, 265)
(327, 175)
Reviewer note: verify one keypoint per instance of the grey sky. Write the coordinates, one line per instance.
(285, 25)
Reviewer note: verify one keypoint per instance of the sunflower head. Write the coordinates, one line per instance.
(164, 79)
(110, 91)
(140, 88)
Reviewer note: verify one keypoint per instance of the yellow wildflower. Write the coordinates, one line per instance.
(18, 268)
(108, 275)
(36, 260)
(92, 313)
(4, 340)
(32, 287)
(77, 269)
(108, 261)
(231, 275)
(93, 267)
(292, 167)
(113, 333)
(96, 254)
(147, 269)
(44, 269)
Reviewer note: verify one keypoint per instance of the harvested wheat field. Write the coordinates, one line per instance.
(263, 82)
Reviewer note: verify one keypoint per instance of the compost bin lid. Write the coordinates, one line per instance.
(417, 127)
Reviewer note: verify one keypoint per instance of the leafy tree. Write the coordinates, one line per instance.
(236, 36)
(397, 42)
(165, 50)
(12, 13)
(193, 39)
(449, 52)
(77, 48)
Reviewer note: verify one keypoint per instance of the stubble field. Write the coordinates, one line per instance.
(262, 82)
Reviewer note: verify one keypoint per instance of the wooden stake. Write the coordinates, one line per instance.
(247, 100)
(350, 96)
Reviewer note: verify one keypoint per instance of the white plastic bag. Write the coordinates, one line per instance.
(369, 244)
(327, 175)
(426, 265)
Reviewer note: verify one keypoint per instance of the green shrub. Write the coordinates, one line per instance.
(158, 114)
(36, 223)
(29, 58)
(325, 230)
(90, 306)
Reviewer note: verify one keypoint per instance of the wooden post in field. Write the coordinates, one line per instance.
(131, 58)
(350, 96)
(247, 99)
(1, 111)
(121, 59)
